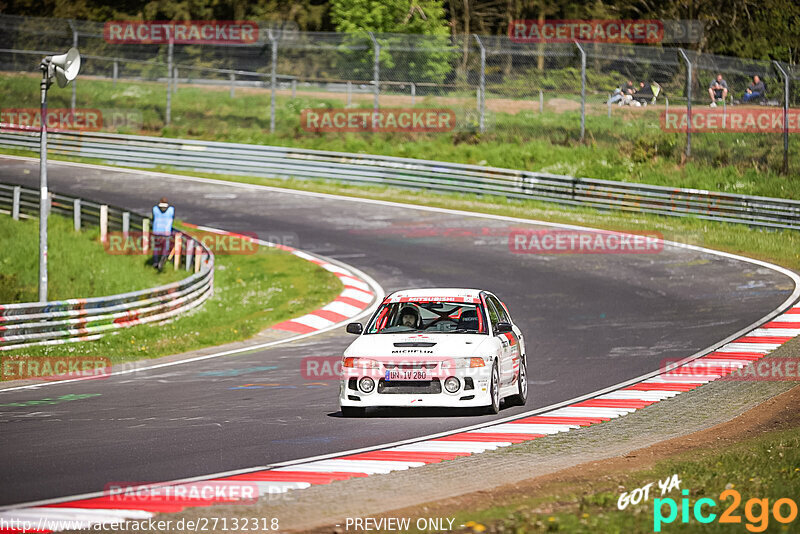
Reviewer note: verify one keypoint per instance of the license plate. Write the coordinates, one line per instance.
(410, 374)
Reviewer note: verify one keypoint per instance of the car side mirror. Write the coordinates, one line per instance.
(503, 328)
(355, 328)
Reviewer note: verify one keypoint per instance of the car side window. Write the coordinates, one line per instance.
(501, 311)
(494, 317)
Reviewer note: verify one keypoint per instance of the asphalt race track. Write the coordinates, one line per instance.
(590, 321)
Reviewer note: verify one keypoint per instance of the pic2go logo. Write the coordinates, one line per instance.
(756, 511)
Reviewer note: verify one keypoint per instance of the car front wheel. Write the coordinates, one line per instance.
(494, 391)
(522, 386)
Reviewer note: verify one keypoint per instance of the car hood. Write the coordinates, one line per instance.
(417, 347)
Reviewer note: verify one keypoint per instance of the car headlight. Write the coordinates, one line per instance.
(360, 363)
(466, 363)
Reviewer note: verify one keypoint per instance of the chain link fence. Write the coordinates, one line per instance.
(497, 89)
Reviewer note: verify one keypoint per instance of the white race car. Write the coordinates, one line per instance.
(435, 348)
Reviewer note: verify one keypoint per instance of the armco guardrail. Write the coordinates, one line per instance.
(52, 323)
(268, 161)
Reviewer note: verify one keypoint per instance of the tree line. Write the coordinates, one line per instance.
(758, 29)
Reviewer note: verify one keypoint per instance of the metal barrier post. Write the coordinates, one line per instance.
(688, 102)
(15, 203)
(115, 72)
(376, 69)
(349, 92)
(413, 92)
(273, 74)
(103, 223)
(126, 223)
(197, 259)
(43, 195)
(583, 89)
(785, 116)
(76, 214)
(541, 101)
(169, 79)
(482, 87)
(232, 77)
(189, 252)
(145, 235)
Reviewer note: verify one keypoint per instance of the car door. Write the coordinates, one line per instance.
(505, 358)
(511, 344)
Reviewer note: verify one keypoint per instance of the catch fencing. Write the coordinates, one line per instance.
(65, 321)
(496, 87)
(361, 169)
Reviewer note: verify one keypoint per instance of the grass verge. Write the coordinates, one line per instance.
(70, 255)
(629, 146)
(763, 467)
(251, 292)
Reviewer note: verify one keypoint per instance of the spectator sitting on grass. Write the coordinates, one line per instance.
(755, 90)
(626, 89)
(718, 90)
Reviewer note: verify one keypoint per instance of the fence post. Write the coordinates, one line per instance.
(115, 72)
(349, 92)
(376, 68)
(74, 85)
(785, 116)
(583, 89)
(688, 102)
(76, 214)
(541, 101)
(177, 249)
(126, 223)
(273, 41)
(169, 79)
(189, 252)
(103, 223)
(294, 88)
(232, 77)
(609, 106)
(15, 203)
(197, 259)
(145, 235)
(482, 89)
(413, 93)
(175, 80)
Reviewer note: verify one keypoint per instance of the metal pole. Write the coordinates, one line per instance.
(294, 88)
(482, 90)
(273, 75)
(175, 80)
(126, 223)
(376, 69)
(74, 82)
(785, 116)
(541, 101)
(413, 93)
(169, 78)
(232, 76)
(76, 214)
(349, 92)
(43, 196)
(15, 203)
(688, 102)
(583, 89)
(116, 72)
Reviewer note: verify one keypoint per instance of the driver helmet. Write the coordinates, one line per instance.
(409, 316)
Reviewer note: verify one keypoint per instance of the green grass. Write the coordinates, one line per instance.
(629, 146)
(765, 467)
(70, 256)
(251, 292)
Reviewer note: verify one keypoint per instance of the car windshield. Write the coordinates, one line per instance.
(430, 316)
